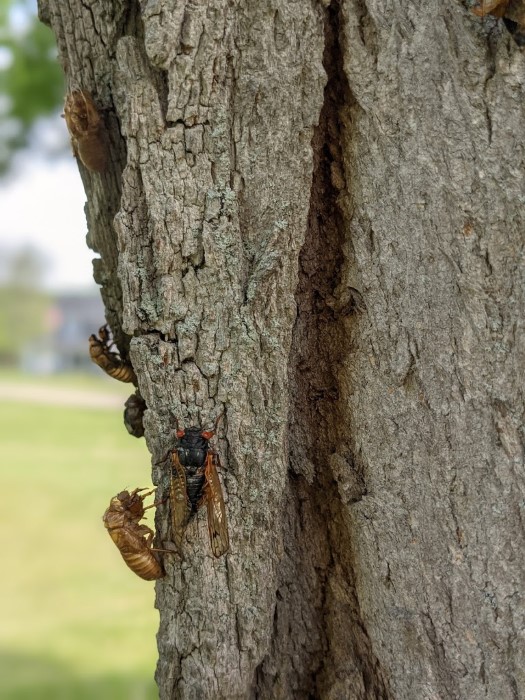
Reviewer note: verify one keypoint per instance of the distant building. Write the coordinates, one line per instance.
(63, 347)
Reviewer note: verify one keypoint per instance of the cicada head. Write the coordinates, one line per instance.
(192, 447)
(196, 439)
(81, 113)
(132, 503)
(96, 348)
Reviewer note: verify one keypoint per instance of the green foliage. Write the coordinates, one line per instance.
(31, 84)
(76, 622)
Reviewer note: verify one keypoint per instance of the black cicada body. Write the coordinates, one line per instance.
(192, 450)
(134, 414)
(195, 483)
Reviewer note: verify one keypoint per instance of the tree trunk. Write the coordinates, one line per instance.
(312, 220)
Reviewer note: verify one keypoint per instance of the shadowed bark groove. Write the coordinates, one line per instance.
(320, 648)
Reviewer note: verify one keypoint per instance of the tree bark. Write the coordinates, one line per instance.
(312, 220)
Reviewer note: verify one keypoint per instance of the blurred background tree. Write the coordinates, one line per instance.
(31, 91)
(31, 81)
(23, 304)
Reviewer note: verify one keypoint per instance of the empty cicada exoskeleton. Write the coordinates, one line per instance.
(109, 360)
(86, 128)
(133, 539)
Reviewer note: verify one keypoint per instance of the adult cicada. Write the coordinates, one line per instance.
(133, 539)
(109, 360)
(195, 483)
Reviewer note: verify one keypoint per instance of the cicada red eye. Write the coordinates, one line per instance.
(180, 433)
(207, 434)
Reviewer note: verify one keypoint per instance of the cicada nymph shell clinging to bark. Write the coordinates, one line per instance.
(133, 539)
(86, 128)
(109, 360)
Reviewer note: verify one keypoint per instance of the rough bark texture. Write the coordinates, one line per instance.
(313, 220)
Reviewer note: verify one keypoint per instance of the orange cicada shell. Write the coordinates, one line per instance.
(133, 539)
(109, 360)
(87, 130)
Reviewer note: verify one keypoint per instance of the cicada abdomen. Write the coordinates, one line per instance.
(109, 360)
(133, 539)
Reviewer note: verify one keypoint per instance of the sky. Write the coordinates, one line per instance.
(42, 205)
(42, 199)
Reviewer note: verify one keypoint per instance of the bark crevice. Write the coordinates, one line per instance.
(320, 647)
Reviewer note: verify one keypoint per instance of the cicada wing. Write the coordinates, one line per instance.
(217, 523)
(496, 8)
(180, 505)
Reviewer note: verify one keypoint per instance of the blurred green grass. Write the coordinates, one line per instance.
(75, 621)
(75, 380)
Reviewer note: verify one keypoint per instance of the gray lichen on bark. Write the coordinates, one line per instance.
(313, 221)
